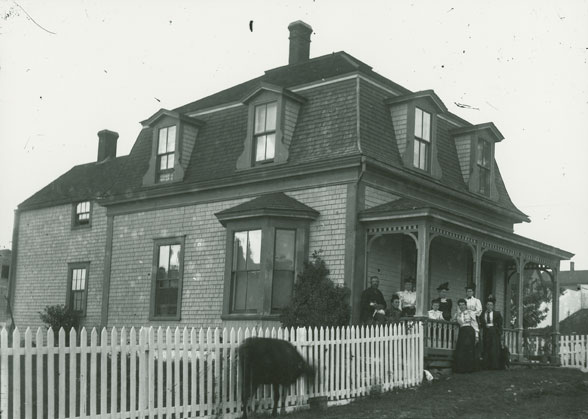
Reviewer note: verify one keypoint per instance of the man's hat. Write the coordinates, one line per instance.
(470, 287)
(443, 286)
(491, 300)
(409, 279)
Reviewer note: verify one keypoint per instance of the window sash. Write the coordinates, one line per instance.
(167, 280)
(77, 288)
(284, 268)
(484, 185)
(422, 125)
(264, 131)
(82, 215)
(246, 278)
(421, 154)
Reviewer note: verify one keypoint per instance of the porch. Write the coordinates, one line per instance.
(414, 240)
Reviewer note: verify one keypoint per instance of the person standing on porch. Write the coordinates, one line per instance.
(445, 304)
(372, 303)
(492, 327)
(465, 357)
(472, 302)
(408, 298)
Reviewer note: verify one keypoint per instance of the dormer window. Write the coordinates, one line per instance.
(166, 148)
(271, 118)
(415, 121)
(422, 139)
(81, 216)
(265, 132)
(483, 162)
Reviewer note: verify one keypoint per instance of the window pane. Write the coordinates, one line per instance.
(239, 249)
(239, 291)
(284, 254)
(163, 162)
(426, 126)
(270, 124)
(418, 122)
(171, 139)
(270, 147)
(162, 144)
(254, 291)
(174, 262)
(170, 161)
(423, 156)
(254, 250)
(259, 119)
(282, 288)
(260, 148)
(163, 259)
(166, 301)
(416, 156)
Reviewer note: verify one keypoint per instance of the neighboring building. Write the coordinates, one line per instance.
(573, 279)
(5, 259)
(208, 220)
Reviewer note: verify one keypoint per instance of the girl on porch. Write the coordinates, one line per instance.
(408, 298)
(465, 358)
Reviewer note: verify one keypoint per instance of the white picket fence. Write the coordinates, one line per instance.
(573, 351)
(182, 373)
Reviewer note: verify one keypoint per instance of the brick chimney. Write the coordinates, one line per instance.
(299, 42)
(571, 266)
(106, 144)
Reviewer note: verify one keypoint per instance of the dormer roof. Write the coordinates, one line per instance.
(487, 127)
(429, 95)
(149, 122)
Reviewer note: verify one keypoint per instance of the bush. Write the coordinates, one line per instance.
(317, 301)
(59, 316)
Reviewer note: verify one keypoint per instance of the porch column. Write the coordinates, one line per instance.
(422, 273)
(520, 327)
(477, 271)
(555, 317)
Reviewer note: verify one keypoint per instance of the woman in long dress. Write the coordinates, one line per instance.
(464, 358)
(492, 326)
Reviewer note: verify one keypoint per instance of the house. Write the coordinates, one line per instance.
(573, 279)
(208, 220)
(5, 259)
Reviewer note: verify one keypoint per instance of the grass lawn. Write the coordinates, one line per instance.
(516, 393)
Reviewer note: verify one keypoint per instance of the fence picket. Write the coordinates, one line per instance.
(40, 388)
(93, 395)
(113, 371)
(124, 352)
(169, 385)
(73, 385)
(16, 373)
(185, 378)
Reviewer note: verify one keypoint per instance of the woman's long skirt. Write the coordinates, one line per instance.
(491, 352)
(464, 357)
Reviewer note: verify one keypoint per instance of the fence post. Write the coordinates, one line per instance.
(301, 343)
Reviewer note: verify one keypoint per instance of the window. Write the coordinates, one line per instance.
(167, 281)
(166, 148)
(284, 267)
(422, 139)
(77, 287)
(246, 286)
(265, 132)
(5, 271)
(82, 211)
(484, 157)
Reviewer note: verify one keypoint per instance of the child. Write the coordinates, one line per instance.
(435, 313)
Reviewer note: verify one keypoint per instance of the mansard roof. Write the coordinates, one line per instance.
(221, 134)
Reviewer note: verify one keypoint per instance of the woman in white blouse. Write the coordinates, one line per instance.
(464, 359)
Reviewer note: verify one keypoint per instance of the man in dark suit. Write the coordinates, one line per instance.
(491, 321)
(372, 303)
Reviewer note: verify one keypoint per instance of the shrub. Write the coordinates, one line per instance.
(317, 301)
(59, 316)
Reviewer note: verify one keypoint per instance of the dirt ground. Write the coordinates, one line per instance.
(517, 393)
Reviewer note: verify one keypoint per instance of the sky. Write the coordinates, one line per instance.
(69, 69)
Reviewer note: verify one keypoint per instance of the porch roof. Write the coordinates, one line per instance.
(454, 225)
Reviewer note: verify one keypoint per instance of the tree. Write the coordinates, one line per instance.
(536, 293)
(59, 316)
(317, 301)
